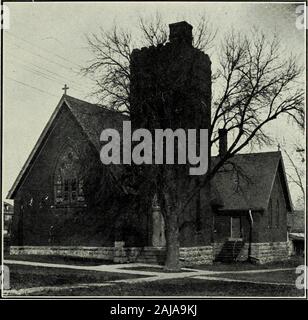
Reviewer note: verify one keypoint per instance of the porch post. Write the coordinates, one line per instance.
(250, 234)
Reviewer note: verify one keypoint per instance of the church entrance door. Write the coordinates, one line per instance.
(236, 228)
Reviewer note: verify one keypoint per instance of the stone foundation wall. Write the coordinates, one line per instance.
(190, 256)
(154, 255)
(270, 252)
(119, 254)
(104, 253)
(260, 252)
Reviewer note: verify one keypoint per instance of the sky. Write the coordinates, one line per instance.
(45, 47)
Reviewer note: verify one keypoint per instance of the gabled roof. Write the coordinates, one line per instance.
(92, 119)
(246, 181)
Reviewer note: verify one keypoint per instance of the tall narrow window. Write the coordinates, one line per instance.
(270, 214)
(73, 189)
(58, 188)
(277, 214)
(80, 190)
(66, 190)
(68, 185)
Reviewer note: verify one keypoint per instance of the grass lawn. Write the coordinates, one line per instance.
(30, 276)
(241, 266)
(185, 287)
(288, 276)
(23, 276)
(59, 260)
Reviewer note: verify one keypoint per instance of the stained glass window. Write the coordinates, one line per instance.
(68, 184)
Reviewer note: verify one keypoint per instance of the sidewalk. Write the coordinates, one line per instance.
(124, 269)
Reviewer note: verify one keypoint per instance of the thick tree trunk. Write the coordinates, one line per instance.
(172, 242)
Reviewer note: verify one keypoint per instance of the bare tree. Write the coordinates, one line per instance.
(111, 50)
(110, 67)
(155, 32)
(254, 85)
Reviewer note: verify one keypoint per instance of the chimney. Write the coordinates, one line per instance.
(180, 32)
(223, 141)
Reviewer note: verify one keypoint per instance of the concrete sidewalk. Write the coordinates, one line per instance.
(124, 269)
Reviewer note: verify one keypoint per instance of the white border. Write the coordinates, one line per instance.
(149, 298)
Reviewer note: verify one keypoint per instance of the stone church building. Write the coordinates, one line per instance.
(66, 202)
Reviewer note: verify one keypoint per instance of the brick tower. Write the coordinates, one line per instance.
(174, 79)
(171, 88)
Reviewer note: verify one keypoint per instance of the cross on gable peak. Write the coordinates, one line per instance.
(65, 88)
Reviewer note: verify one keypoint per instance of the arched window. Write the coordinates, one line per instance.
(68, 182)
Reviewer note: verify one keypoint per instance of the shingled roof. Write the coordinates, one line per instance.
(92, 119)
(246, 181)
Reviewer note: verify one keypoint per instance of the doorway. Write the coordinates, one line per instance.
(236, 228)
